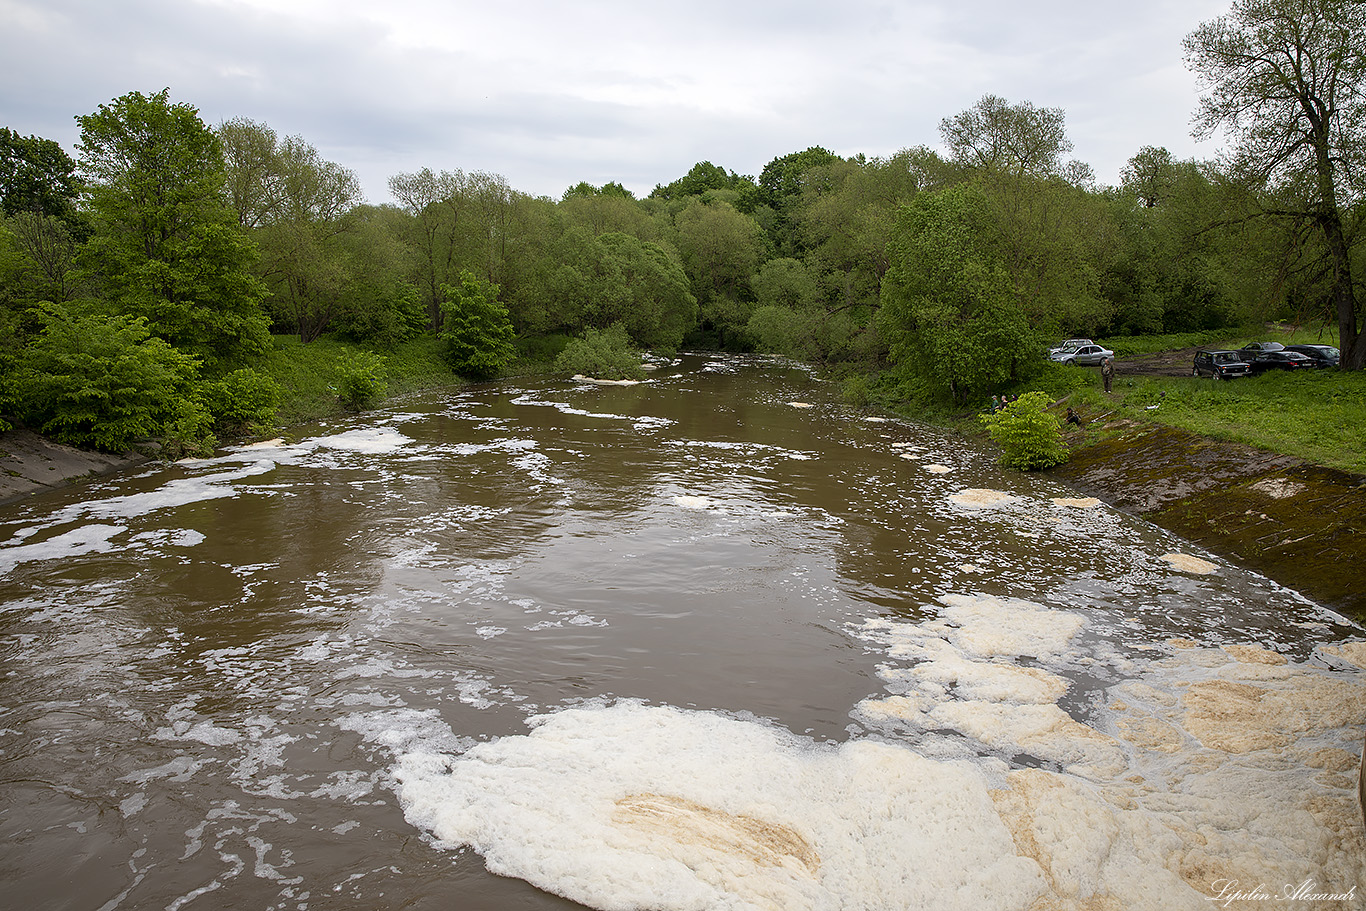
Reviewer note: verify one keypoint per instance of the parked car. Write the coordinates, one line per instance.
(1220, 365)
(1281, 360)
(1072, 344)
(1253, 349)
(1085, 356)
(1321, 355)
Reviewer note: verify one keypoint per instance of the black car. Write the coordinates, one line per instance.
(1252, 349)
(1220, 365)
(1321, 355)
(1280, 360)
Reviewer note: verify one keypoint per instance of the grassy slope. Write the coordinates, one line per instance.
(1318, 416)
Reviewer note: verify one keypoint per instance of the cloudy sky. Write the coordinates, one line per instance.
(548, 94)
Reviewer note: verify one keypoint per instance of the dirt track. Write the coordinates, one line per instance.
(1177, 362)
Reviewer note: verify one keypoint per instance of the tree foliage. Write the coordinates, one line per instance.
(166, 247)
(477, 331)
(604, 354)
(1286, 79)
(105, 382)
(950, 311)
(1029, 435)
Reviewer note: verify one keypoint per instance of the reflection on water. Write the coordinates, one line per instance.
(707, 641)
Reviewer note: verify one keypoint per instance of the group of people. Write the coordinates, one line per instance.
(999, 402)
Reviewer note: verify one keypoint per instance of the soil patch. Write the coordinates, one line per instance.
(1300, 524)
(29, 464)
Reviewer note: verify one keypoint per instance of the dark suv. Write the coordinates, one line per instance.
(1221, 365)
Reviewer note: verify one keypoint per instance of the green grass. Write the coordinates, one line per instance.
(309, 375)
(1318, 416)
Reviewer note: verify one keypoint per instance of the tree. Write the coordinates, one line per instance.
(477, 331)
(950, 310)
(302, 208)
(1015, 138)
(36, 176)
(165, 244)
(1287, 83)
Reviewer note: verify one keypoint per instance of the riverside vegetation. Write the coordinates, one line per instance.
(179, 284)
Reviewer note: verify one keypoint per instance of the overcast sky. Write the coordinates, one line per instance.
(548, 94)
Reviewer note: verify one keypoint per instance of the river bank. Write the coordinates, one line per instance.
(31, 464)
(1300, 524)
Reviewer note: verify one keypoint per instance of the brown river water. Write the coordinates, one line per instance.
(710, 641)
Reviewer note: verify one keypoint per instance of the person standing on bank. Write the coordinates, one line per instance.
(1107, 372)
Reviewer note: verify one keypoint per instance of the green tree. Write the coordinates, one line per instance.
(36, 176)
(1287, 83)
(950, 311)
(166, 246)
(1029, 435)
(477, 331)
(89, 380)
(1015, 138)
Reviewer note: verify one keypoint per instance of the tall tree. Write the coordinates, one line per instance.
(1016, 138)
(1287, 83)
(165, 244)
(36, 175)
(950, 310)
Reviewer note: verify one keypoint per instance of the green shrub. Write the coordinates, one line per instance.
(242, 402)
(104, 382)
(1029, 436)
(605, 354)
(360, 380)
(477, 329)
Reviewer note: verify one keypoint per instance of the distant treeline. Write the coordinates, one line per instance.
(140, 282)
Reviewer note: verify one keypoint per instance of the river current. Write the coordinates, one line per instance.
(714, 640)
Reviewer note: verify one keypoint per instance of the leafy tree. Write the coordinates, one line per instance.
(1015, 138)
(477, 330)
(1287, 83)
(702, 177)
(165, 245)
(1029, 436)
(604, 354)
(36, 176)
(950, 311)
(89, 380)
(782, 184)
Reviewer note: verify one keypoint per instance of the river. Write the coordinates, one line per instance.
(714, 640)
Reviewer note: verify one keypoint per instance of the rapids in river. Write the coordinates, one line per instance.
(710, 641)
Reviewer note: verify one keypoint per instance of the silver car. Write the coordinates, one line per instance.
(1085, 356)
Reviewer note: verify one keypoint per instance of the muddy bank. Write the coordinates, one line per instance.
(30, 464)
(1300, 524)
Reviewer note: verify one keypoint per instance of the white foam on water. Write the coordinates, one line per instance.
(688, 501)
(635, 806)
(368, 441)
(88, 539)
(980, 498)
(592, 380)
(1202, 767)
(938, 469)
(1189, 564)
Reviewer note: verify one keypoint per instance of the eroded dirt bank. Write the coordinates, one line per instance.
(1299, 524)
(30, 464)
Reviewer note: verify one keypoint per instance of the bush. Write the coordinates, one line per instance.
(1030, 437)
(477, 329)
(241, 403)
(605, 354)
(104, 382)
(360, 381)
